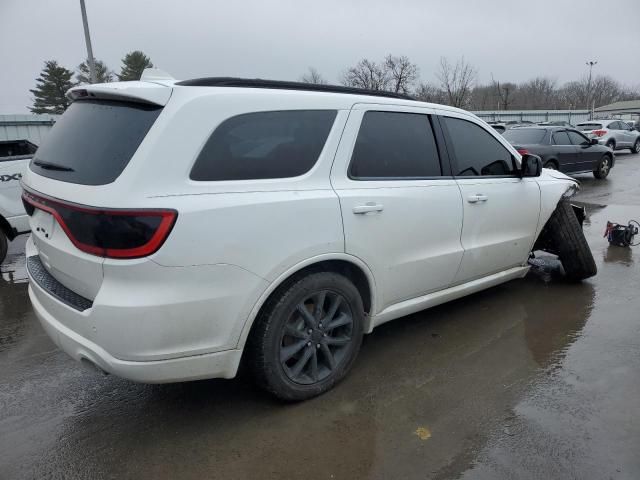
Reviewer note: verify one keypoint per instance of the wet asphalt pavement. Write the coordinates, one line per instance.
(536, 378)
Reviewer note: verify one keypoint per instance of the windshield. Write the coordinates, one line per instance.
(525, 136)
(93, 141)
(587, 127)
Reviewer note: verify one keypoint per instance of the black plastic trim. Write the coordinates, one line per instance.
(53, 287)
(283, 85)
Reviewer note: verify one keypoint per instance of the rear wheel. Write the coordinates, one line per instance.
(4, 246)
(564, 234)
(636, 146)
(551, 165)
(603, 168)
(307, 336)
(611, 144)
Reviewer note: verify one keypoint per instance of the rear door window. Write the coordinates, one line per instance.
(395, 145)
(476, 151)
(93, 141)
(561, 138)
(263, 145)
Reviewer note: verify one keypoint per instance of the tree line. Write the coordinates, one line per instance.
(54, 80)
(456, 83)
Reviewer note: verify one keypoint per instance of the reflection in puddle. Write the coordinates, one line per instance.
(621, 255)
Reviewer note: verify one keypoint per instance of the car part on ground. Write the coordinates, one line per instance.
(622, 235)
(562, 235)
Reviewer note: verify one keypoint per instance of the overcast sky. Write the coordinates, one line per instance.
(513, 40)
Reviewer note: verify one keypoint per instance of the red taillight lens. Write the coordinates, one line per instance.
(522, 151)
(107, 233)
(599, 133)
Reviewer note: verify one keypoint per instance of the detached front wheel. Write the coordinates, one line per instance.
(565, 236)
(307, 336)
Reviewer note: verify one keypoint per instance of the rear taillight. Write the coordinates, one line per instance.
(107, 233)
(522, 151)
(599, 133)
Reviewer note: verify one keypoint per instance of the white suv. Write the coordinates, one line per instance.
(615, 134)
(179, 227)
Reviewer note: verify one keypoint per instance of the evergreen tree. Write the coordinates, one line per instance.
(103, 74)
(51, 87)
(133, 64)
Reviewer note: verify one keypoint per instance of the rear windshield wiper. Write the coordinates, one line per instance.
(52, 166)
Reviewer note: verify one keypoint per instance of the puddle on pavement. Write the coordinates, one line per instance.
(523, 372)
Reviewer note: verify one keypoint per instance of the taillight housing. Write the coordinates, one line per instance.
(522, 151)
(109, 233)
(599, 133)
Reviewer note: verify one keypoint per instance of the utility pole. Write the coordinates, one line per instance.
(87, 39)
(590, 64)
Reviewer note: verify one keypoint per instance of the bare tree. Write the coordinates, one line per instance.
(403, 73)
(367, 74)
(540, 92)
(505, 93)
(428, 92)
(313, 76)
(457, 81)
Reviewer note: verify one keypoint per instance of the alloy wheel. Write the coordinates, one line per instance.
(316, 337)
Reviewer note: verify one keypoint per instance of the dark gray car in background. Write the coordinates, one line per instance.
(563, 149)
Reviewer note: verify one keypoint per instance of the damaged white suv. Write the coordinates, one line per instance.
(181, 227)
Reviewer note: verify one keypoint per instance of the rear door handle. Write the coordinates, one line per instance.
(477, 198)
(368, 208)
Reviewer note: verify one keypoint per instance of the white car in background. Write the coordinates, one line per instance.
(181, 227)
(14, 158)
(615, 134)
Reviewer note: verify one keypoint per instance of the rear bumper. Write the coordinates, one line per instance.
(214, 365)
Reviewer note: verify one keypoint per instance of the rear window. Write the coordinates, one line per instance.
(587, 127)
(525, 136)
(262, 145)
(92, 143)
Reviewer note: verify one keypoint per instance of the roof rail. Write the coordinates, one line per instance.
(284, 85)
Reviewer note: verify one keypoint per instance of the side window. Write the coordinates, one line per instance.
(263, 145)
(577, 139)
(614, 126)
(395, 145)
(561, 138)
(476, 151)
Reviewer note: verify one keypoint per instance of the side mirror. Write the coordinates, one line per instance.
(594, 141)
(531, 166)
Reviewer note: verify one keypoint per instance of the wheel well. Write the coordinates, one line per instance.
(552, 160)
(343, 267)
(6, 228)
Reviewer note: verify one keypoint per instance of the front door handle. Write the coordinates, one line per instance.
(367, 208)
(477, 198)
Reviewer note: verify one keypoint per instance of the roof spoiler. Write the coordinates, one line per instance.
(154, 87)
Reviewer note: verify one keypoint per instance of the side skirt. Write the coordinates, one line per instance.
(413, 305)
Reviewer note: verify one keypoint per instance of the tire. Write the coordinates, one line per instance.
(611, 144)
(603, 168)
(636, 147)
(291, 354)
(4, 246)
(551, 165)
(565, 234)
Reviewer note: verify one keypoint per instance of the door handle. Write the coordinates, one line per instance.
(477, 198)
(367, 208)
